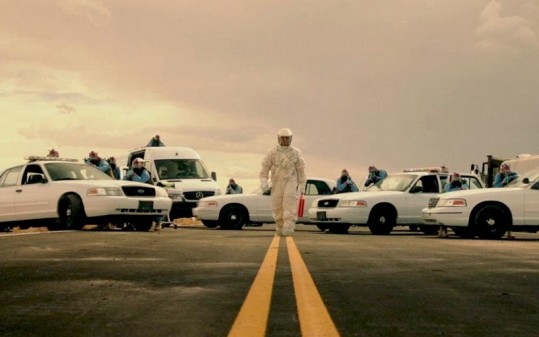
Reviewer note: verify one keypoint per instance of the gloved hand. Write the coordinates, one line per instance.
(264, 186)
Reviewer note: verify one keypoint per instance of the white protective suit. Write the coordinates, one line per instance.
(288, 179)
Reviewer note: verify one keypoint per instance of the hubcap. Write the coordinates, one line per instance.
(491, 221)
(382, 220)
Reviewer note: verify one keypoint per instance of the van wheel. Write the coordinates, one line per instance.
(339, 229)
(143, 225)
(71, 212)
(322, 227)
(232, 217)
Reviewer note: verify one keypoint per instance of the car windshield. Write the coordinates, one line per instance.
(75, 171)
(399, 182)
(525, 179)
(174, 169)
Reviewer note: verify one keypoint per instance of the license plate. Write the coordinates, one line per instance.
(321, 216)
(145, 206)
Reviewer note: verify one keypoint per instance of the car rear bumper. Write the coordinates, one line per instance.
(343, 215)
(447, 216)
(206, 213)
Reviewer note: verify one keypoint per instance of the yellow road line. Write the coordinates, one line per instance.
(252, 320)
(314, 318)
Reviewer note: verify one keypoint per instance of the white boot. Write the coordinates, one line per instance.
(288, 229)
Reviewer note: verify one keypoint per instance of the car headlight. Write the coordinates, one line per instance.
(456, 202)
(352, 203)
(161, 192)
(104, 191)
(207, 203)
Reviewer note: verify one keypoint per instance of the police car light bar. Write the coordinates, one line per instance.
(437, 169)
(43, 158)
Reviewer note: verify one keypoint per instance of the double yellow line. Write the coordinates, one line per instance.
(314, 318)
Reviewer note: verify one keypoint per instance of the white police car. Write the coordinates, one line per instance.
(64, 193)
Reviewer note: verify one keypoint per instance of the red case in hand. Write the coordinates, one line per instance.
(301, 206)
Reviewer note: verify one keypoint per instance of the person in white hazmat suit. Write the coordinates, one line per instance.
(287, 168)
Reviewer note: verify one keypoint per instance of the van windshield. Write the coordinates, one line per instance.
(171, 169)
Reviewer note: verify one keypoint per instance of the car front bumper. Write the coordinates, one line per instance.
(118, 206)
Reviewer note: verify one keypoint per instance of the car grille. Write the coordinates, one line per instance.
(433, 202)
(197, 195)
(328, 203)
(137, 191)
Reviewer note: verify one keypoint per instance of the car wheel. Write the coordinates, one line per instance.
(382, 220)
(322, 227)
(429, 230)
(210, 224)
(491, 222)
(143, 225)
(71, 212)
(339, 229)
(232, 217)
(463, 232)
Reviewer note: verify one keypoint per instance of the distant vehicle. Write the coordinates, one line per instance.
(491, 212)
(66, 194)
(182, 172)
(395, 201)
(233, 211)
(522, 163)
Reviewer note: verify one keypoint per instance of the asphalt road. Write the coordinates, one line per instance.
(198, 282)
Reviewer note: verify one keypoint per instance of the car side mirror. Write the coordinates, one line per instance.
(214, 176)
(416, 189)
(526, 180)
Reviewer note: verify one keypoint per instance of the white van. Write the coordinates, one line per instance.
(182, 172)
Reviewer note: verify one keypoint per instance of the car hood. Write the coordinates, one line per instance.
(364, 195)
(231, 197)
(101, 183)
(491, 193)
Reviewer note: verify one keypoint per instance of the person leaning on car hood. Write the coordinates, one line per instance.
(505, 176)
(101, 164)
(345, 183)
(138, 172)
(233, 187)
(375, 175)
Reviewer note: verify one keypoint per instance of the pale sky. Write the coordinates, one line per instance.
(395, 83)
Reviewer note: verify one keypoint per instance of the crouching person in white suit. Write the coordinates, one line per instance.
(287, 168)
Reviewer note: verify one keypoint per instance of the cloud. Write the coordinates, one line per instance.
(94, 11)
(65, 109)
(512, 33)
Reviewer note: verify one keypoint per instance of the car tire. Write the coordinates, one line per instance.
(322, 227)
(71, 212)
(491, 222)
(339, 229)
(382, 220)
(463, 232)
(233, 217)
(429, 230)
(210, 223)
(143, 225)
